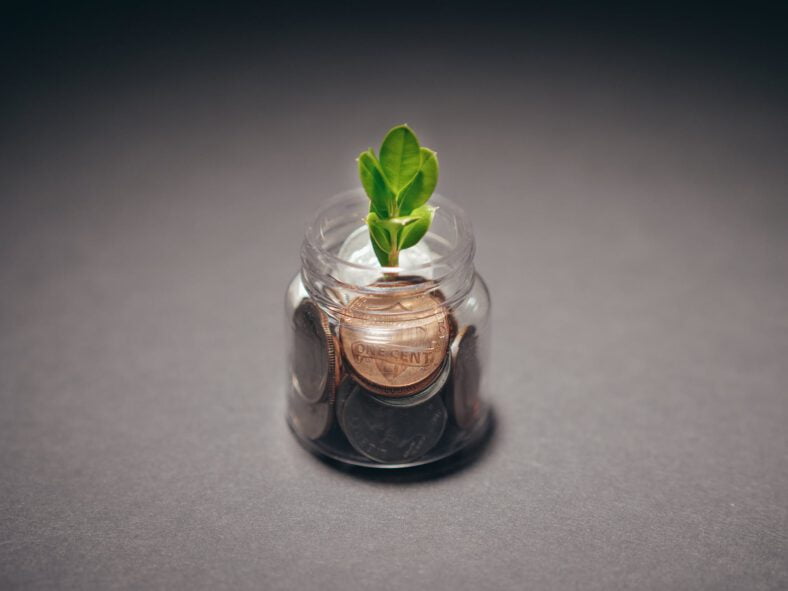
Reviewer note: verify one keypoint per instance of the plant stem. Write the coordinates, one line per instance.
(393, 261)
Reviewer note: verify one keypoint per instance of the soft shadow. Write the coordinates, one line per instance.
(444, 468)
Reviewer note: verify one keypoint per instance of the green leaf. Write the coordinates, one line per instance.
(410, 235)
(418, 191)
(383, 256)
(400, 157)
(379, 234)
(398, 186)
(386, 232)
(395, 225)
(375, 185)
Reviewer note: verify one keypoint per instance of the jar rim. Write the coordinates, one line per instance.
(461, 253)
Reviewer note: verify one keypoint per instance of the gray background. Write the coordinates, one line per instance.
(629, 204)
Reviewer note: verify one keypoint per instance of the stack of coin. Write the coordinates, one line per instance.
(395, 344)
(315, 371)
(401, 376)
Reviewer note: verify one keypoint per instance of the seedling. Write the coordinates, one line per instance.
(398, 185)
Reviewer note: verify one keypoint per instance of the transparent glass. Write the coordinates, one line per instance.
(387, 366)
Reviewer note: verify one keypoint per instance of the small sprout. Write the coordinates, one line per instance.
(398, 185)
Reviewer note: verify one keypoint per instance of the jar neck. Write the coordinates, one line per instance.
(333, 280)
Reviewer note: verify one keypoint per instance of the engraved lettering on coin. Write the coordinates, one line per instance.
(420, 397)
(315, 359)
(310, 420)
(392, 434)
(434, 291)
(465, 379)
(395, 343)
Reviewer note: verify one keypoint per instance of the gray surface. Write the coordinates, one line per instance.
(631, 219)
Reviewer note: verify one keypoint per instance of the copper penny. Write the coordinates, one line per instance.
(395, 343)
(433, 389)
(423, 285)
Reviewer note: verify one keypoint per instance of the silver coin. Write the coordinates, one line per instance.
(314, 359)
(464, 401)
(310, 420)
(343, 391)
(391, 434)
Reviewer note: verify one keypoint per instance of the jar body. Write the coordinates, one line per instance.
(387, 367)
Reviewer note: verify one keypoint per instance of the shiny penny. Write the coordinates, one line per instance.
(395, 343)
(315, 359)
(391, 434)
(465, 379)
(433, 389)
(436, 293)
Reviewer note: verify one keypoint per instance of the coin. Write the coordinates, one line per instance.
(392, 434)
(344, 390)
(424, 285)
(464, 383)
(310, 420)
(395, 343)
(420, 397)
(315, 360)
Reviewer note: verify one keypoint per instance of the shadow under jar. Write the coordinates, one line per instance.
(387, 365)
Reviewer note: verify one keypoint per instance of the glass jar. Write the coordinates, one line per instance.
(387, 365)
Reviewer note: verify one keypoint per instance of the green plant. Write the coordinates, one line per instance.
(398, 185)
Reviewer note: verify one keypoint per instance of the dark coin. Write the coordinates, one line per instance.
(315, 359)
(310, 420)
(343, 392)
(392, 434)
(464, 382)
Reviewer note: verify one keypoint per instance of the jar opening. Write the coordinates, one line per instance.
(450, 237)
(337, 256)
